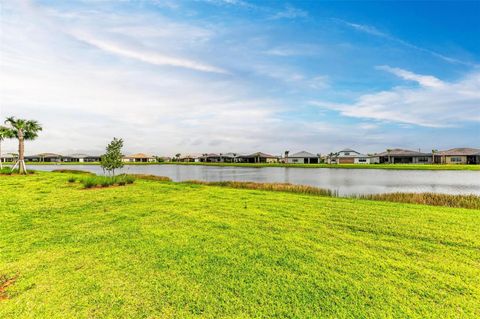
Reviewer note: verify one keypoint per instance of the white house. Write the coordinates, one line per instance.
(349, 156)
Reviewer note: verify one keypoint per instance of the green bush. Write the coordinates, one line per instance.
(72, 179)
(106, 181)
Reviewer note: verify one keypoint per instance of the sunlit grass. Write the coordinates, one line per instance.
(179, 250)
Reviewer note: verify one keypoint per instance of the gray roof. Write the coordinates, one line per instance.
(45, 155)
(402, 152)
(462, 151)
(303, 154)
(348, 150)
(258, 154)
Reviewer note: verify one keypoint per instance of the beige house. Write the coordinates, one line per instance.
(138, 158)
(463, 155)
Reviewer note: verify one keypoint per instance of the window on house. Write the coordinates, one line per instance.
(455, 159)
(362, 160)
(347, 153)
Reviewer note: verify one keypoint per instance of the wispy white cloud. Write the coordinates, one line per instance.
(378, 33)
(434, 104)
(145, 55)
(290, 12)
(424, 80)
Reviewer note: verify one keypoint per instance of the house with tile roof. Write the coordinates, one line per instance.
(463, 155)
(302, 157)
(402, 156)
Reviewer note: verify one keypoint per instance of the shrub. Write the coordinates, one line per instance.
(72, 179)
(9, 171)
(6, 171)
(106, 181)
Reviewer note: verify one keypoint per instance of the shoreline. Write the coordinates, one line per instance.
(448, 167)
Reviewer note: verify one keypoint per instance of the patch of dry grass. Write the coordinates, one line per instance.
(463, 201)
(279, 187)
(152, 177)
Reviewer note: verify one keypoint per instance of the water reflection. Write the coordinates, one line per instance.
(344, 181)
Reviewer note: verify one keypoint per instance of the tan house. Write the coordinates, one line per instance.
(401, 156)
(138, 158)
(462, 155)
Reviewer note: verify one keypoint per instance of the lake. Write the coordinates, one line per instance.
(344, 181)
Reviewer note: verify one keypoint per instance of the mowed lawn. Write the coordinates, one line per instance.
(171, 250)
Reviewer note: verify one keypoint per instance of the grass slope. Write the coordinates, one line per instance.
(160, 249)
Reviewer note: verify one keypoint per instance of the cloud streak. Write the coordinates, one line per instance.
(434, 104)
(146, 56)
(368, 29)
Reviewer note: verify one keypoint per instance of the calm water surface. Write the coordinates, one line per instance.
(344, 181)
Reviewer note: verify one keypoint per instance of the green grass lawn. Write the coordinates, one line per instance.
(358, 166)
(161, 249)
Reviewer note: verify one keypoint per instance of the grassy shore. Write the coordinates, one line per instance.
(157, 249)
(335, 166)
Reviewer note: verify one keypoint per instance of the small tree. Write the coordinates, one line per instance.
(23, 130)
(177, 156)
(112, 159)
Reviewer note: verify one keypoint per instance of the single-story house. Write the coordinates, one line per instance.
(218, 158)
(138, 158)
(81, 158)
(257, 157)
(302, 157)
(462, 155)
(8, 157)
(44, 157)
(401, 156)
(189, 158)
(349, 156)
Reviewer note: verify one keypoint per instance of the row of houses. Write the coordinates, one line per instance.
(345, 156)
(401, 156)
(79, 158)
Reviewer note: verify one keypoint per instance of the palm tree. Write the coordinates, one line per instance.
(5, 133)
(23, 130)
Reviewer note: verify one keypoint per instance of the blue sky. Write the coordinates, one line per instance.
(237, 75)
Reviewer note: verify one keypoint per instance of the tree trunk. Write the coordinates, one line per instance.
(21, 149)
